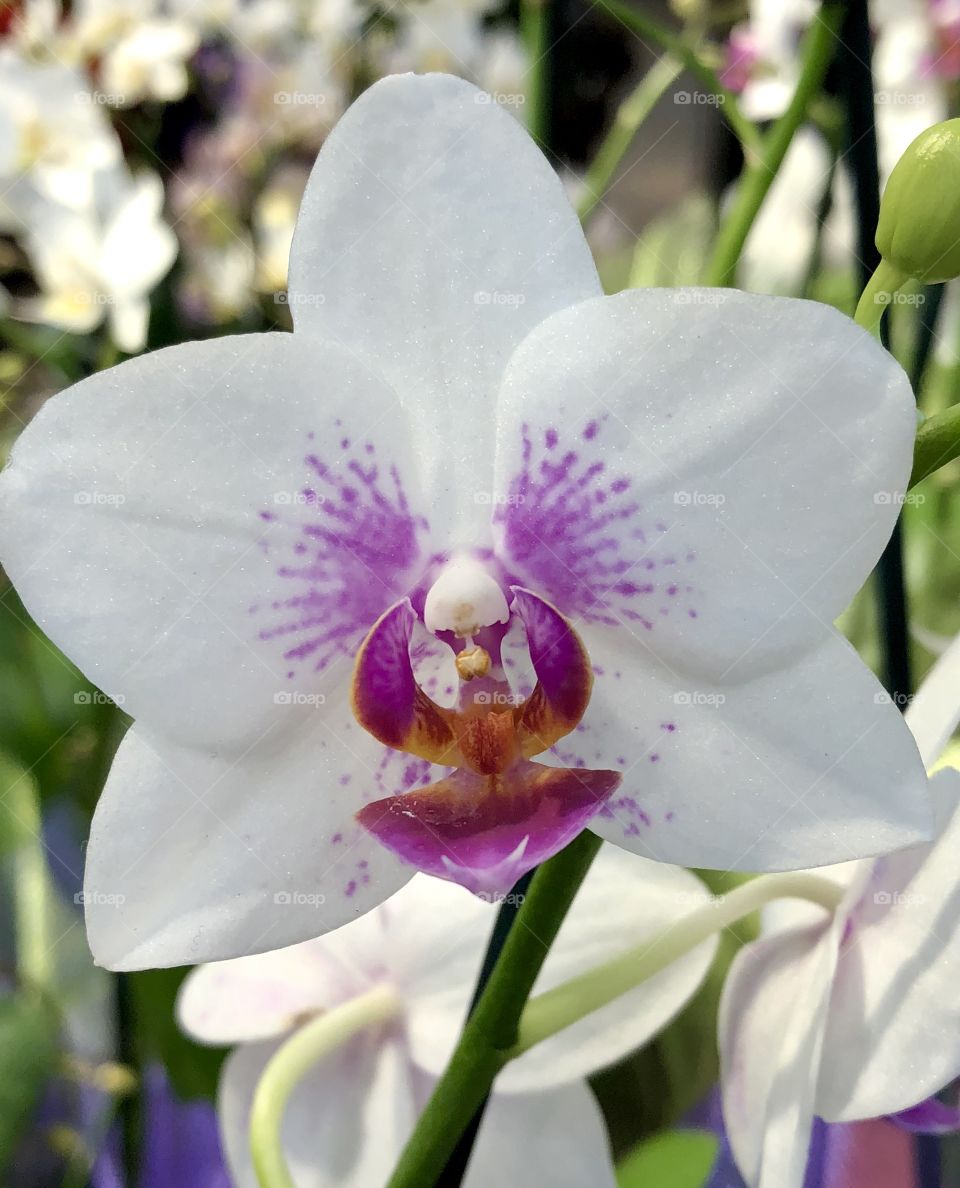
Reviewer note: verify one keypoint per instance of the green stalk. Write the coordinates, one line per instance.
(678, 47)
(492, 1030)
(564, 1005)
(535, 31)
(308, 1045)
(630, 115)
(818, 51)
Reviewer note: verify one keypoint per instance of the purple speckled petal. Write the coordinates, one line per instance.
(231, 517)
(712, 471)
(199, 857)
(486, 833)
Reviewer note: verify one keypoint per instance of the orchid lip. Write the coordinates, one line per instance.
(497, 814)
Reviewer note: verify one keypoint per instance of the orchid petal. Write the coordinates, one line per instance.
(433, 236)
(893, 1037)
(623, 901)
(220, 522)
(196, 856)
(934, 712)
(771, 1024)
(804, 766)
(346, 1121)
(260, 997)
(485, 832)
(715, 471)
(555, 1138)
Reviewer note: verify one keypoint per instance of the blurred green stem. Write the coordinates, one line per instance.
(630, 115)
(762, 168)
(678, 47)
(877, 295)
(564, 1005)
(535, 31)
(293, 1060)
(31, 886)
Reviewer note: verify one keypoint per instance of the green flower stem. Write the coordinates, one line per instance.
(877, 295)
(678, 47)
(535, 31)
(762, 167)
(31, 885)
(630, 115)
(492, 1030)
(308, 1045)
(558, 1008)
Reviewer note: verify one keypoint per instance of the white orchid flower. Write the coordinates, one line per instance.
(852, 1016)
(348, 1119)
(467, 492)
(103, 261)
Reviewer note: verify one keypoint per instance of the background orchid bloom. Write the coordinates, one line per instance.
(348, 1119)
(853, 1016)
(464, 447)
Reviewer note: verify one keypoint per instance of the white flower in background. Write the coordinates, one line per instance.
(102, 262)
(53, 139)
(274, 219)
(764, 54)
(219, 281)
(853, 1016)
(348, 1119)
(149, 62)
(439, 35)
(465, 447)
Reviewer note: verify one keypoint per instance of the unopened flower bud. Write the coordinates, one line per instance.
(919, 229)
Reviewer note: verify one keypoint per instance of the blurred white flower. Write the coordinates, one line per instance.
(53, 138)
(149, 62)
(101, 262)
(274, 218)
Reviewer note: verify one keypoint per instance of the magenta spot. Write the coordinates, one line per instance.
(692, 614)
(590, 432)
(336, 839)
(345, 779)
(345, 443)
(670, 727)
(551, 438)
(669, 816)
(350, 888)
(654, 758)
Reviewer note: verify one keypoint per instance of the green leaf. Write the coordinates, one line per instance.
(938, 442)
(676, 1159)
(28, 1056)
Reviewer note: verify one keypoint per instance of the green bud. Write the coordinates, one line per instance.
(919, 228)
